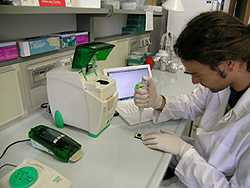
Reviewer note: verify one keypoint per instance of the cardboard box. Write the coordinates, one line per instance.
(39, 45)
(130, 5)
(53, 3)
(8, 50)
(151, 2)
(136, 59)
(86, 3)
(66, 40)
(70, 38)
(82, 37)
(29, 2)
(56, 3)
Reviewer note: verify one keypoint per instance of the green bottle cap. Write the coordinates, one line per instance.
(23, 177)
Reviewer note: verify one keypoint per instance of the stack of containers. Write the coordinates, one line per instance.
(138, 58)
(135, 24)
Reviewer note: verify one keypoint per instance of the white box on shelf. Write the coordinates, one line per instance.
(130, 5)
(29, 2)
(86, 3)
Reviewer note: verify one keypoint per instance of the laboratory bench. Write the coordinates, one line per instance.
(115, 158)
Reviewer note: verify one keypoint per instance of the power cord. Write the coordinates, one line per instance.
(12, 145)
(7, 149)
(7, 165)
(47, 106)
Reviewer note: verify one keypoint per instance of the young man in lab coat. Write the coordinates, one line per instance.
(215, 50)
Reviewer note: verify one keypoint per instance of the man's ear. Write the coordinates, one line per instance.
(229, 65)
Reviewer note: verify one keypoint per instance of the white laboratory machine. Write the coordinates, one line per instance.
(33, 174)
(80, 96)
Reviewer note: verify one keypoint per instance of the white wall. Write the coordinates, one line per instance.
(23, 26)
(109, 26)
(178, 20)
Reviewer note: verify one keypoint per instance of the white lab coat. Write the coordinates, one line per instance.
(221, 154)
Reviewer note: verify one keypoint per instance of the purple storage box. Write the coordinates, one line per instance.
(81, 37)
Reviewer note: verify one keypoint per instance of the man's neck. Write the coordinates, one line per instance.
(241, 81)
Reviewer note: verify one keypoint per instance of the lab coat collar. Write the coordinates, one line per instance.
(223, 100)
(242, 105)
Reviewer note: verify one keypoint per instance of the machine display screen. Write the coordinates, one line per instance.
(126, 81)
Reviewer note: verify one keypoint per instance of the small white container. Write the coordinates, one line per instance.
(162, 53)
(130, 5)
(86, 4)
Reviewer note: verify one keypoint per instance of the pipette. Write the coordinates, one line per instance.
(143, 86)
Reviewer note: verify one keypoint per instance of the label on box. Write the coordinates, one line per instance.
(29, 3)
(44, 45)
(8, 52)
(68, 41)
(37, 46)
(54, 3)
(71, 38)
(82, 38)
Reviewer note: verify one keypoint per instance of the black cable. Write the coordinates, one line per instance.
(190, 128)
(8, 165)
(47, 106)
(12, 145)
(44, 105)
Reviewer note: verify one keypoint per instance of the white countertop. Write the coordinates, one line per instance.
(114, 159)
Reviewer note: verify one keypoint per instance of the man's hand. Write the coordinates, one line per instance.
(166, 141)
(147, 98)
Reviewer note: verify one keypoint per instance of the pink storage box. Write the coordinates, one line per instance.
(8, 50)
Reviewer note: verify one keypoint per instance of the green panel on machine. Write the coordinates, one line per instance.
(89, 53)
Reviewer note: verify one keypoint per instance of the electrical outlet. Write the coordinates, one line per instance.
(65, 62)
